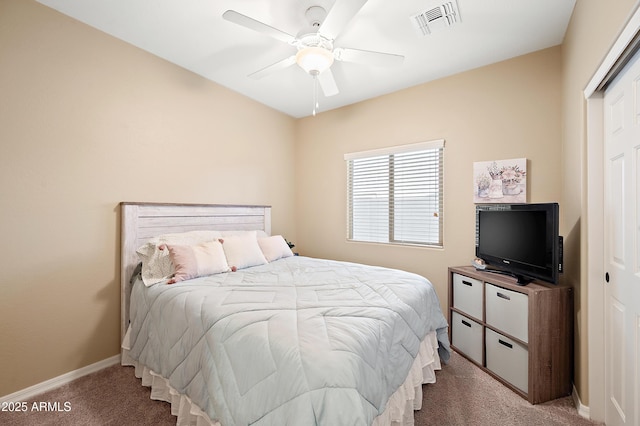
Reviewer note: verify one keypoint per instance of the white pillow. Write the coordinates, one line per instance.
(274, 247)
(243, 251)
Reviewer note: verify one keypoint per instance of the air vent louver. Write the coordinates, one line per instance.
(443, 15)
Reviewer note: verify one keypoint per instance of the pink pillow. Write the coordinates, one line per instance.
(193, 261)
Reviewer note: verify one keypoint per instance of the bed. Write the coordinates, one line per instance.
(279, 340)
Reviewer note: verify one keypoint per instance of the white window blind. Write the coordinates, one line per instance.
(395, 195)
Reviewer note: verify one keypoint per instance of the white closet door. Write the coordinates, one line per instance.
(622, 247)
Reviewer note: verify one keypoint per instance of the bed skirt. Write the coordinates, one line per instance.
(399, 411)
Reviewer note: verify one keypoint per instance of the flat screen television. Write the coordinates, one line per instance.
(520, 240)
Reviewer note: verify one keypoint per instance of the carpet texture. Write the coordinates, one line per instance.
(466, 395)
(463, 395)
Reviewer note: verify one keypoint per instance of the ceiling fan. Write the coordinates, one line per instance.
(315, 44)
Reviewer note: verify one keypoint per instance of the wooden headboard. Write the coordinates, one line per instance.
(143, 221)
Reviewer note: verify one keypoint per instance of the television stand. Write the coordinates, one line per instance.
(520, 335)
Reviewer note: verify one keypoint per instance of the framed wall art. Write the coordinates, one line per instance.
(500, 181)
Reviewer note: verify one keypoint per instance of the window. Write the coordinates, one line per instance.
(395, 194)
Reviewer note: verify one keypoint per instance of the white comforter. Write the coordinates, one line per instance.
(299, 341)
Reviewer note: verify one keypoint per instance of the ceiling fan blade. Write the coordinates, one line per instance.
(368, 57)
(328, 83)
(280, 65)
(252, 24)
(339, 16)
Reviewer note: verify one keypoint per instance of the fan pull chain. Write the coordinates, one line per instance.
(315, 93)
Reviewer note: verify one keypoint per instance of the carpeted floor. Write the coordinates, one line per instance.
(466, 395)
(463, 395)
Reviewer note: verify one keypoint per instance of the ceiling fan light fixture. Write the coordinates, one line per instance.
(314, 60)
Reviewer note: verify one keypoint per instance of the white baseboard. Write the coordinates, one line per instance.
(583, 410)
(45, 386)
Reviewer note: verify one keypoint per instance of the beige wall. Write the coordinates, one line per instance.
(87, 121)
(593, 29)
(502, 111)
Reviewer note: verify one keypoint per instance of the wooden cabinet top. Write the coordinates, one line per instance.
(506, 281)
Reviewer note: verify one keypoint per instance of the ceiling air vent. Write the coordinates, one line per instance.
(440, 16)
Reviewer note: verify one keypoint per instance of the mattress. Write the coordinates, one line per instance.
(296, 341)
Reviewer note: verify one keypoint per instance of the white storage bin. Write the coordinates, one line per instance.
(508, 359)
(467, 295)
(466, 336)
(508, 311)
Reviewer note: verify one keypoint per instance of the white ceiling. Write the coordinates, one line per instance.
(193, 35)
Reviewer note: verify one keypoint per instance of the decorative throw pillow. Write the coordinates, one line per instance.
(274, 247)
(156, 264)
(243, 251)
(193, 261)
